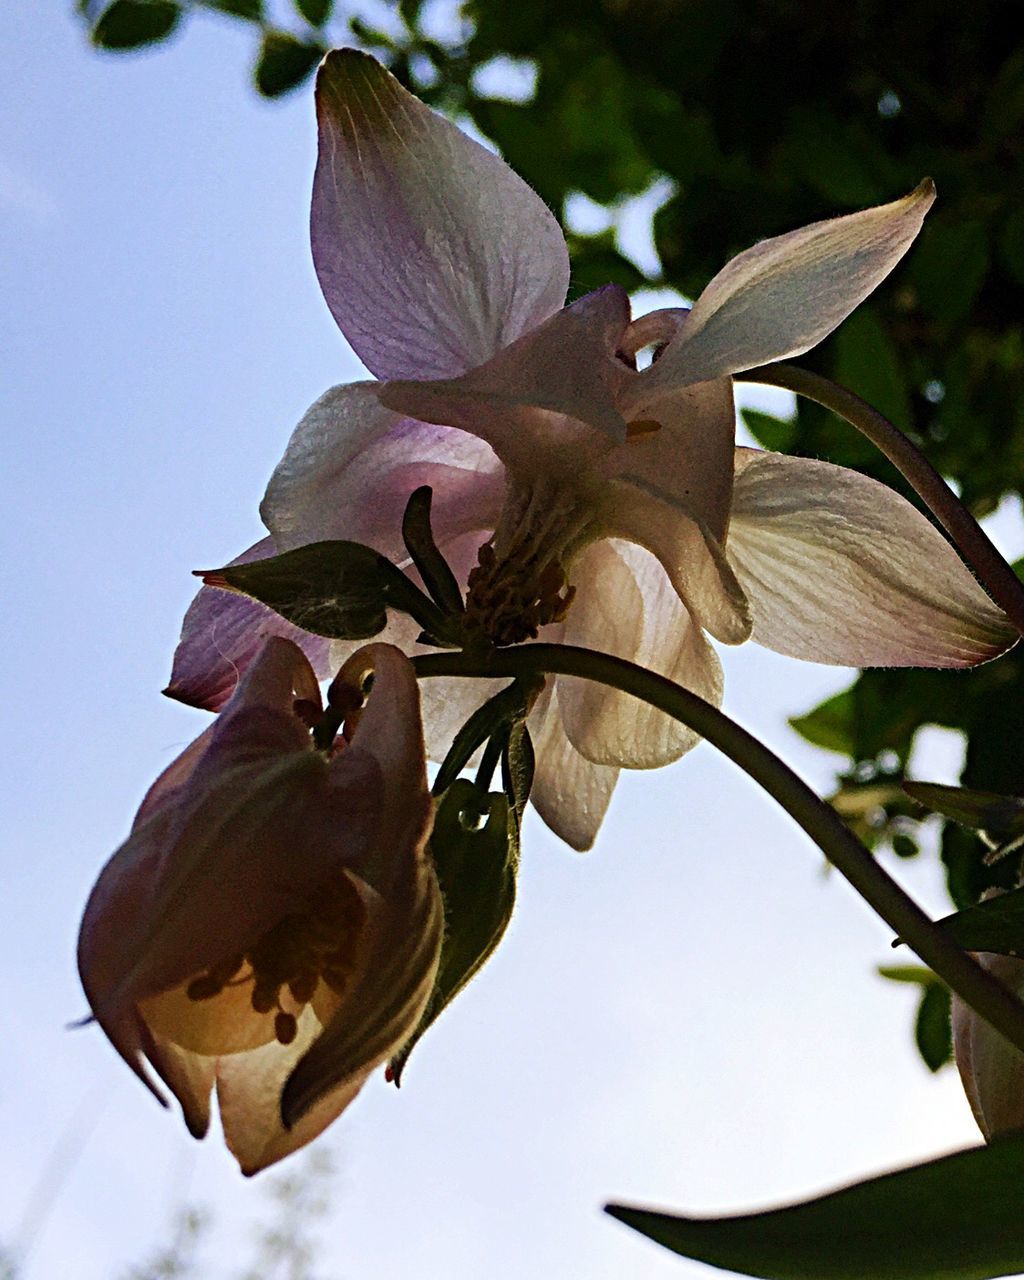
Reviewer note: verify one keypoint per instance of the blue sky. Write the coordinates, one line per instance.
(686, 1016)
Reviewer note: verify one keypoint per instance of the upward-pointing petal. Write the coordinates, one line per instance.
(432, 254)
(785, 295)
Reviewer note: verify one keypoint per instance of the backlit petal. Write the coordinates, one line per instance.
(627, 606)
(570, 794)
(840, 569)
(432, 254)
(786, 294)
(351, 465)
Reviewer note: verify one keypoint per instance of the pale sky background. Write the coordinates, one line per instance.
(686, 1017)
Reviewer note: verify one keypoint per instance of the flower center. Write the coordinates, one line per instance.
(519, 583)
(303, 949)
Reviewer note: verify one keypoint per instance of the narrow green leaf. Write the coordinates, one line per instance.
(250, 10)
(1000, 818)
(933, 1031)
(316, 12)
(769, 431)
(476, 862)
(433, 568)
(130, 24)
(960, 1217)
(336, 589)
(996, 926)
(912, 973)
(508, 706)
(284, 63)
(830, 724)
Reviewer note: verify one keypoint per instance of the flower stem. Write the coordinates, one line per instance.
(956, 968)
(967, 535)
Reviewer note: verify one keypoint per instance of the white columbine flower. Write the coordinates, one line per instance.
(615, 510)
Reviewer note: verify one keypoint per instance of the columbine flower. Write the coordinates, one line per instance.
(271, 927)
(991, 1069)
(612, 506)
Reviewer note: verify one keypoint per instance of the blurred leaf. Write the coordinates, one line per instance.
(284, 63)
(316, 12)
(948, 266)
(956, 1218)
(932, 1030)
(1011, 243)
(770, 432)
(251, 10)
(129, 24)
(596, 262)
(476, 860)
(996, 925)
(1000, 818)
(867, 362)
(830, 724)
(336, 589)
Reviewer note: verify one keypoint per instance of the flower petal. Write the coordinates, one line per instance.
(519, 401)
(189, 1076)
(784, 295)
(688, 455)
(351, 465)
(694, 560)
(840, 569)
(569, 793)
(432, 254)
(221, 636)
(991, 1069)
(249, 1089)
(626, 606)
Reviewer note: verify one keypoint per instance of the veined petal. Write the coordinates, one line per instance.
(627, 606)
(431, 253)
(221, 636)
(189, 1076)
(991, 1069)
(840, 569)
(519, 400)
(351, 465)
(784, 295)
(695, 562)
(681, 445)
(570, 794)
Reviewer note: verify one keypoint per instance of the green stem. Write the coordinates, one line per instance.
(967, 535)
(956, 968)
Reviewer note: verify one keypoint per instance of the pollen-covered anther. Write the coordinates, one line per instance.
(303, 949)
(509, 601)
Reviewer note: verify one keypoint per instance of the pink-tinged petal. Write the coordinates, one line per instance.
(569, 793)
(991, 1069)
(785, 295)
(627, 606)
(351, 465)
(249, 1089)
(189, 1076)
(682, 446)
(547, 404)
(692, 558)
(431, 253)
(840, 569)
(221, 636)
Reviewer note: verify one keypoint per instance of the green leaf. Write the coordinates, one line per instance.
(316, 12)
(948, 267)
(336, 589)
(1000, 818)
(932, 1029)
(251, 10)
(770, 432)
(284, 63)
(475, 853)
(130, 24)
(433, 568)
(996, 925)
(830, 724)
(868, 362)
(960, 1217)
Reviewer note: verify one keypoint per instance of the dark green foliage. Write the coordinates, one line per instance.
(130, 24)
(284, 62)
(316, 12)
(250, 10)
(932, 1030)
(956, 1218)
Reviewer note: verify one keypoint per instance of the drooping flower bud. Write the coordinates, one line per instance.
(991, 1069)
(271, 927)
